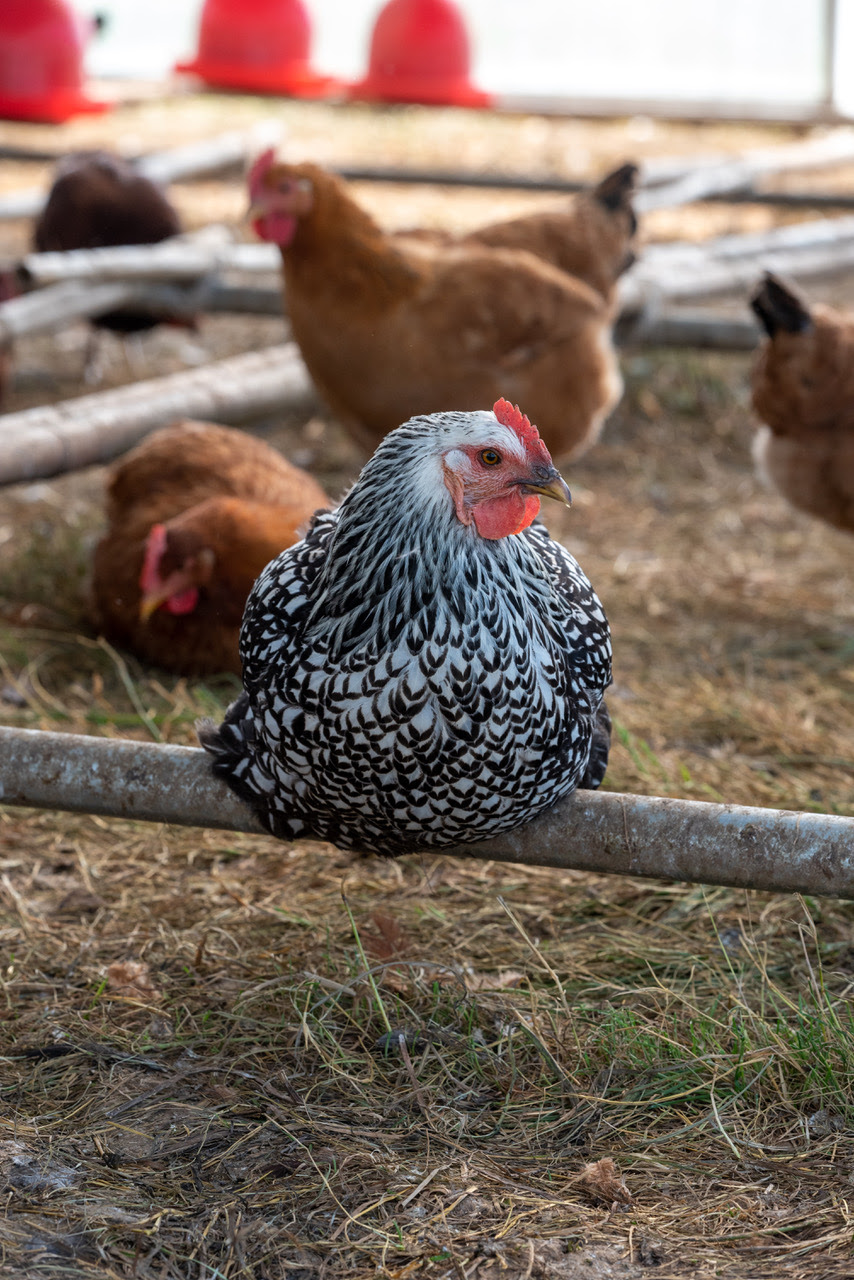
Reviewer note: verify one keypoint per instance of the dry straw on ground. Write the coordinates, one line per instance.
(224, 1057)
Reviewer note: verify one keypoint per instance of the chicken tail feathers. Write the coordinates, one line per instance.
(232, 746)
(616, 189)
(600, 748)
(237, 759)
(777, 307)
(227, 741)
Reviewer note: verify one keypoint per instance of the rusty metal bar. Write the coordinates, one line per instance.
(118, 778)
(681, 327)
(181, 258)
(602, 831)
(59, 305)
(746, 848)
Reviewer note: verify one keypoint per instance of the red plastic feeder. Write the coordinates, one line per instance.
(420, 53)
(258, 46)
(41, 62)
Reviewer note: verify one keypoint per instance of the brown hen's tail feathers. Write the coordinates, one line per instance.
(778, 307)
(616, 189)
(615, 193)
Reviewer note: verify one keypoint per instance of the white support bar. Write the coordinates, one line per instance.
(601, 831)
(46, 441)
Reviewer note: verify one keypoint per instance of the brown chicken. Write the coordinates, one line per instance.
(803, 390)
(391, 327)
(194, 514)
(591, 238)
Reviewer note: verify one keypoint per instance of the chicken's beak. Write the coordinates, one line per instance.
(257, 209)
(150, 603)
(552, 486)
(178, 584)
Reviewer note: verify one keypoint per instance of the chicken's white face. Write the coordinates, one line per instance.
(496, 472)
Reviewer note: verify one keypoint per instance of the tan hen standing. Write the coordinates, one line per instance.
(393, 326)
(803, 390)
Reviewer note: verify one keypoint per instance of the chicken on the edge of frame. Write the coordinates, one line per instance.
(427, 667)
(803, 390)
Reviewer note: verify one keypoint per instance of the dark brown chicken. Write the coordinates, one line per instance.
(803, 390)
(194, 514)
(391, 326)
(98, 199)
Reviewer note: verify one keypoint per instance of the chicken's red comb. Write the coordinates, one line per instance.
(510, 415)
(155, 545)
(260, 169)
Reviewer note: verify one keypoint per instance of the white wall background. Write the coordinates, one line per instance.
(743, 51)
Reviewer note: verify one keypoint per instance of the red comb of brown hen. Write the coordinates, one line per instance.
(260, 168)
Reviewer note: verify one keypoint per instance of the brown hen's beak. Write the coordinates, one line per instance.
(257, 209)
(149, 604)
(552, 486)
(179, 580)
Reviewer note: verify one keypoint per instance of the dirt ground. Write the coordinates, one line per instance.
(226, 1057)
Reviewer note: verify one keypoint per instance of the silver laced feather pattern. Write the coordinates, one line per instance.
(408, 684)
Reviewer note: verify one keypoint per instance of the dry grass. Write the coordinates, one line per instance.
(216, 1065)
(224, 1057)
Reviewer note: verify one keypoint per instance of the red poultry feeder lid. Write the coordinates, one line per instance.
(41, 62)
(420, 53)
(258, 46)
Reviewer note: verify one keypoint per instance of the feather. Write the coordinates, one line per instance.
(409, 684)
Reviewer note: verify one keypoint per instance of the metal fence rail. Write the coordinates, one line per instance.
(749, 848)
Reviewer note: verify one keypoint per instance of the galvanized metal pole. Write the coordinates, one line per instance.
(50, 439)
(591, 831)
(118, 778)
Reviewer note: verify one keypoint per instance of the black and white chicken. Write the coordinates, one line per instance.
(427, 667)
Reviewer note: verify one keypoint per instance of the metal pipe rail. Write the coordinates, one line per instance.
(89, 430)
(600, 831)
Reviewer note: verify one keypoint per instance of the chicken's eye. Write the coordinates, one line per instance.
(490, 457)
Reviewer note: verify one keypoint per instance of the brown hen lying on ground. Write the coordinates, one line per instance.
(195, 512)
(803, 390)
(393, 326)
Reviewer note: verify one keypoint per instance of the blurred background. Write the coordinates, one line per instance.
(786, 57)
